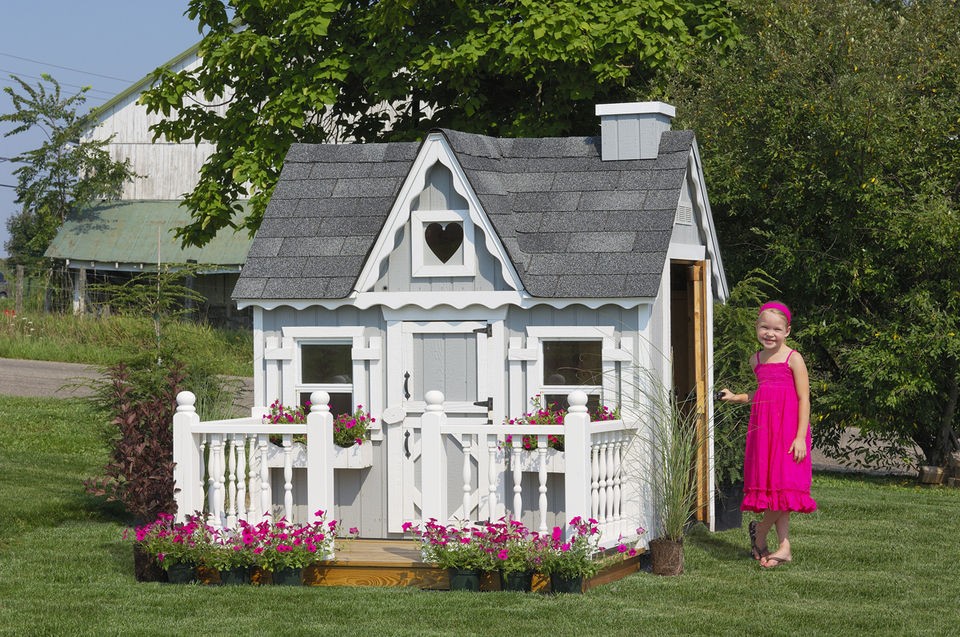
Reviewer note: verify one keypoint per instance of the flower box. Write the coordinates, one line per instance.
(530, 461)
(355, 457)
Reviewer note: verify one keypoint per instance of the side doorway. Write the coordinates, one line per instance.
(689, 333)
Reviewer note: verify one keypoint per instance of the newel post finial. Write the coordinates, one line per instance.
(578, 401)
(186, 401)
(434, 400)
(319, 401)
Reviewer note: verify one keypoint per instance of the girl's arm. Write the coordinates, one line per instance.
(801, 380)
(728, 396)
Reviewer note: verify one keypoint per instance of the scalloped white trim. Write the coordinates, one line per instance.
(430, 300)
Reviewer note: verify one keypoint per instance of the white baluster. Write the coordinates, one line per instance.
(603, 482)
(288, 477)
(232, 481)
(492, 475)
(517, 480)
(215, 515)
(606, 472)
(242, 478)
(594, 479)
(617, 480)
(542, 475)
(204, 467)
(466, 442)
(266, 501)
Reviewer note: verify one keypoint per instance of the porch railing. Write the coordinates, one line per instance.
(223, 467)
(595, 467)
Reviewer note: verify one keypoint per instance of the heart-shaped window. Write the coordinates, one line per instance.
(444, 241)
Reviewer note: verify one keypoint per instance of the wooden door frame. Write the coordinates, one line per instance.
(697, 289)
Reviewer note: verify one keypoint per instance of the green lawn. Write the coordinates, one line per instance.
(879, 557)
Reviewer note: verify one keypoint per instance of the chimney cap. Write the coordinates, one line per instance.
(637, 108)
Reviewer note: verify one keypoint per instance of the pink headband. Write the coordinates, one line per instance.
(780, 307)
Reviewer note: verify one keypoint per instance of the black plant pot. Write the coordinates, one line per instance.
(464, 579)
(145, 566)
(726, 504)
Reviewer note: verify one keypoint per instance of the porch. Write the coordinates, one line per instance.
(396, 563)
(230, 471)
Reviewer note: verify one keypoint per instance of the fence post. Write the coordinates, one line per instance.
(576, 442)
(319, 455)
(187, 455)
(433, 473)
(18, 291)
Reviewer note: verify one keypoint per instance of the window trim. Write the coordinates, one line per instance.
(364, 392)
(419, 220)
(607, 389)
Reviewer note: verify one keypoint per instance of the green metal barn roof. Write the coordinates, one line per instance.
(127, 234)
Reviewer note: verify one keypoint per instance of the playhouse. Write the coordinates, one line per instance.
(456, 280)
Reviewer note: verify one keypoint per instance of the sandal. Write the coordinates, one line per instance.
(772, 562)
(755, 551)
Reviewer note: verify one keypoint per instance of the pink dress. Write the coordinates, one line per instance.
(771, 478)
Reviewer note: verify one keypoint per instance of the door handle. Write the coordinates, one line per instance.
(406, 443)
(406, 385)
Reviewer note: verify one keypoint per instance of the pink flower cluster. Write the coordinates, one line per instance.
(508, 546)
(551, 415)
(350, 429)
(281, 415)
(269, 545)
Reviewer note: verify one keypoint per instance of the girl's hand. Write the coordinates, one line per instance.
(798, 449)
(725, 395)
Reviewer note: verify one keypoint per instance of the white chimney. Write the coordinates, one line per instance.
(632, 130)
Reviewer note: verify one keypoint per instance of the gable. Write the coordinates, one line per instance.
(560, 222)
(416, 249)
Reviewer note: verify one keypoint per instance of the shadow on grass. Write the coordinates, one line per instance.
(725, 546)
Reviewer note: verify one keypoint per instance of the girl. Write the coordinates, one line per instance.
(776, 465)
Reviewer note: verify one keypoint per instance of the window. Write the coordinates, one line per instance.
(570, 365)
(328, 367)
(442, 243)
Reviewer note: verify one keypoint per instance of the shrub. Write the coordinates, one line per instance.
(139, 474)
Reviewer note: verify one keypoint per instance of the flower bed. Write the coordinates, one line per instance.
(509, 547)
(271, 546)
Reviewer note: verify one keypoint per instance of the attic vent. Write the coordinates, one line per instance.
(684, 215)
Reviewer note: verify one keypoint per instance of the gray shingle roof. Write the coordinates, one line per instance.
(573, 225)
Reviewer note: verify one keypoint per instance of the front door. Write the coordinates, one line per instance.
(447, 356)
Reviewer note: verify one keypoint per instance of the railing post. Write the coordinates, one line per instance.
(576, 445)
(187, 481)
(433, 472)
(319, 455)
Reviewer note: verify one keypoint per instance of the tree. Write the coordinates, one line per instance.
(332, 70)
(829, 138)
(65, 173)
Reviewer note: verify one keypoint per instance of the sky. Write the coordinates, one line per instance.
(105, 44)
